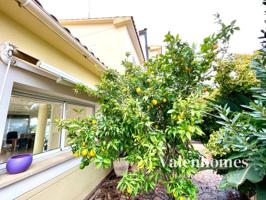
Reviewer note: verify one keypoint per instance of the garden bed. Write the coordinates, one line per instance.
(207, 182)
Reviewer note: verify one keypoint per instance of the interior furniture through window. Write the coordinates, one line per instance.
(31, 124)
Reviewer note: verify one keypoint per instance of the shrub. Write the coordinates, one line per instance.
(234, 75)
(148, 116)
(243, 135)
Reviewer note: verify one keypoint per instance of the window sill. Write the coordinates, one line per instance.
(36, 167)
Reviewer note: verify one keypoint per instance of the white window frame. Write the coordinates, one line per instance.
(64, 102)
(46, 71)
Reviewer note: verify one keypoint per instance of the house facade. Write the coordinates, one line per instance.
(109, 38)
(155, 50)
(40, 62)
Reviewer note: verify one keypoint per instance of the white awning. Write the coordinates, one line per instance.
(63, 78)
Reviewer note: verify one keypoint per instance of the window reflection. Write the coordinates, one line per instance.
(75, 112)
(30, 127)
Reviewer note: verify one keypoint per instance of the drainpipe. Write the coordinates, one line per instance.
(6, 54)
(144, 32)
(44, 17)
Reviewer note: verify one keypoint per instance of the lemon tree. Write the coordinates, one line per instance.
(149, 114)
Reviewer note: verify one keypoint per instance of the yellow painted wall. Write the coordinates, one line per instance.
(31, 44)
(75, 184)
(108, 42)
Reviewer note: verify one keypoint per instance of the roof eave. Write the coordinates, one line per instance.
(35, 8)
(127, 21)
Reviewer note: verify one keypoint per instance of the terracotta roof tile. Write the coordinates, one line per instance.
(137, 36)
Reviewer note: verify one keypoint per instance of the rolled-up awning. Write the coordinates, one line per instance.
(60, 76)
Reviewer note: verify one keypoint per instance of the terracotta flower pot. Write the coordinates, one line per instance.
(18, 163)
(120, 167)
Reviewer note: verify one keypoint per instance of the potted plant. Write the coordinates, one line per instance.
(120, 166)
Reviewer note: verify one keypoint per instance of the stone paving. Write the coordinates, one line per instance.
(207, 182)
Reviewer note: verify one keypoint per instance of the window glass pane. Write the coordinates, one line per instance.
(77, 111)
(30, 127)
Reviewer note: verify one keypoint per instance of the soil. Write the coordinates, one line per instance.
(207, 182)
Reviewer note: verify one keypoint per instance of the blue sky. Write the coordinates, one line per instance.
(192, 19)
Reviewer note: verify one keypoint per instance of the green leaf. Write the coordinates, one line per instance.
(237, 177)
(235, 118)
(223, 117)
(260, 191)
(170, 111)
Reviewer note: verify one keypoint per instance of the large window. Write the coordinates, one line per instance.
(74, 112)
(31, 125)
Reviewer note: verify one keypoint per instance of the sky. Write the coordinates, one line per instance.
(191, 19)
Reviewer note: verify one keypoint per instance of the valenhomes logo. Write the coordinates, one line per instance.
(207, 163)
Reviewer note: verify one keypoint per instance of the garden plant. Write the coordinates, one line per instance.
(231, 86)
(149, 114)
(242, 135)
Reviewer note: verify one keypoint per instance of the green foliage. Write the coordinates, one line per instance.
(148, 116)
(252, 173)
(216, 148)
(235, 76)
(244, 136)
(234, 79)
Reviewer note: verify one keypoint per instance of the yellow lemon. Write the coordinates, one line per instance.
(93, 121)
(164, 100)
(188, 69)
(129, 190)
(154, 102)
(190, 129)
(175, 194)
(138, 90)
(141, 164)
(76, 154)
(216, 46)
(92, 153)
(84, 152)
(182, 198)
(180, 117)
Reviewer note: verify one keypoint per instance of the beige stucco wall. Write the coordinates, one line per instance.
(74, 184)
(107, 41)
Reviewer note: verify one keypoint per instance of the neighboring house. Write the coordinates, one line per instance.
(144, 42)
(155, 50)
(40, 61)
(109, 38)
